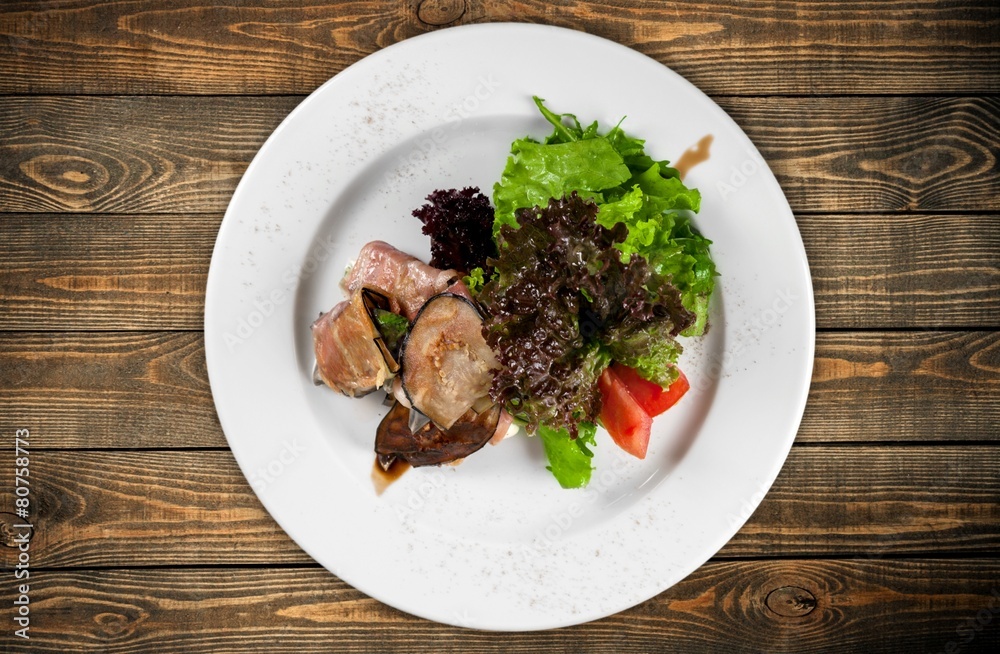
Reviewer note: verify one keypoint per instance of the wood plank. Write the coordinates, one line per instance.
(904, 271)
(94, 154)
(795, 606)
(910, 154)
(109, 390)
(83, 271)
(120, 508)
(86, 272)
(114, 509)
(877, 501)
(132, 154)
(190, 46)
(922, 386)
(151, 390)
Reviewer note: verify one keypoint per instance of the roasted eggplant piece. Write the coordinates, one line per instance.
(374, 302)
(431, 445)
(351, 356)
(447, 365)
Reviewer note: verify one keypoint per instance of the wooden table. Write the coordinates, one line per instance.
(124, 128)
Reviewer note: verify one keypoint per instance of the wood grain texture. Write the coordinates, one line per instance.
(104, 272)
(120, 509)
(151, 390)
(88, 272)
(896, 271)
(261, 47)
(898, 154)
(880, 120)
(921, 386)
(108, 390)
(830, 154)
(115, 509)
(725, 606)
(134, 154)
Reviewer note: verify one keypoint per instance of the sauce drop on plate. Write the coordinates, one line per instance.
(694, 155)
(382, 479)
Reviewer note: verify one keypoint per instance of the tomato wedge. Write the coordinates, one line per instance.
(652, 397)
(626, 421)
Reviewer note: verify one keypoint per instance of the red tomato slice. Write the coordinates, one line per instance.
(652, 397)
(622, 416)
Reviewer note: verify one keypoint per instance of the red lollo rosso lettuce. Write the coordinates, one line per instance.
(595, 260)
(460, 224)
(630, 188)
(561, 294)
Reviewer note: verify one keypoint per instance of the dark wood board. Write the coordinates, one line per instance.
(260, 47)
(125, 126)
(128, 508)
(795, 606)
(109, 154)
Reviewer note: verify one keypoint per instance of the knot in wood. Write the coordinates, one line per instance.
(791, 601)
(113, 625)
(68, 174)
(11, 536)
(440, 12)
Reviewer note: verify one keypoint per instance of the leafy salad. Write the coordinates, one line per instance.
(597, 263)
(556, 306)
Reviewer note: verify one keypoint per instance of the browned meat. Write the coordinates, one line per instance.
(432, 445)
(407, 281)
(459, 288)
(350, 355)
(447, 364)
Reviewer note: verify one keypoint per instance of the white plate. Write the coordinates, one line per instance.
(495, 543)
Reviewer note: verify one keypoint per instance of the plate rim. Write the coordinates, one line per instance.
(800, 258)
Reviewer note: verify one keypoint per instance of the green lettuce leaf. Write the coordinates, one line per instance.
(536, 172)
(682, 255)
(628, 186)
(569, 458)
(392, 327)
(650, 349)
(475, 280)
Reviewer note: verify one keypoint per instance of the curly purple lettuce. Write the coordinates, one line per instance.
(559, 291)
(460, 224)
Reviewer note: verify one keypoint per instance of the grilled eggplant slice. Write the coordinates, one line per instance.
(374, 301)
(430, 445)
(447, 365)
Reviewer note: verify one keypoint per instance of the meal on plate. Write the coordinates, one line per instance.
(553, 309)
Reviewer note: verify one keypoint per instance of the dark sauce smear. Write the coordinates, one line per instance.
(383, 477)
(694, 155)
